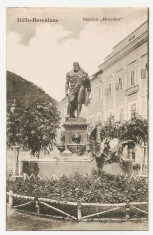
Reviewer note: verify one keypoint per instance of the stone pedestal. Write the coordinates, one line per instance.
(75, 136)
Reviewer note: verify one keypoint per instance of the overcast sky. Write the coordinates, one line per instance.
(44, 52)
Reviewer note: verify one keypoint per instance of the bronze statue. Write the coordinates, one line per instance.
(77, 89)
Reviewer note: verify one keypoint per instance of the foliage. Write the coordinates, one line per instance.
(135, 129)
(34, 127)
(136, 166)
(110, 129)
(30, 168)
(14, 128)
(105, 188)
(100, 162)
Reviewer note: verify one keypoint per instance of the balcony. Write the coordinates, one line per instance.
(132, 90)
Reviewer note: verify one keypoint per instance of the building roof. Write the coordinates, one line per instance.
(95, 75)
(126, 42)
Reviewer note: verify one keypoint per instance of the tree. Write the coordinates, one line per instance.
(135, 129)
(110, 129)
(14, 127)
(131, 133)
(135, 132)
(34, 127)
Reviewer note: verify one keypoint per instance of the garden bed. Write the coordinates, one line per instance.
(82, 197)
(92, 188)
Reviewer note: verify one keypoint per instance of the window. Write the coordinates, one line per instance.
(133, 108)
(119, 85)
(143, 73)
(132, 78)
(108, 90)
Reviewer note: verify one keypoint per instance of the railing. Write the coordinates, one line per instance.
(25, 176)
(78, 208)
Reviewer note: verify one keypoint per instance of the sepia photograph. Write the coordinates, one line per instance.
(77, 121)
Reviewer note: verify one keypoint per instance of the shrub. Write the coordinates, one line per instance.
(103, 189)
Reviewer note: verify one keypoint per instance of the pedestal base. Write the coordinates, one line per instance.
(75, 136)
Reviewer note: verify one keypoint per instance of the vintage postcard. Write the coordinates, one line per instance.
(77, 119)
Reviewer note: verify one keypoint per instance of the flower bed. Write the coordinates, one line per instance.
(103, 189)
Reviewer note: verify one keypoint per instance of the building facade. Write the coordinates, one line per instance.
(120, 86)
(125, 77)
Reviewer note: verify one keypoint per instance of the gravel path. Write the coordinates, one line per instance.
(17, 221)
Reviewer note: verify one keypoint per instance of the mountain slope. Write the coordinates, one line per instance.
(23, 91)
